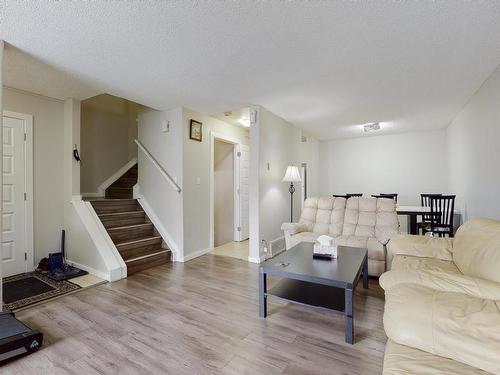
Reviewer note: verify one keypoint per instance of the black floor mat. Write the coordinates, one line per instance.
(24, 288)
(32, 287)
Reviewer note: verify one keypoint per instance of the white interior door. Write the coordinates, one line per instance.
(14, 241)
(244, 174)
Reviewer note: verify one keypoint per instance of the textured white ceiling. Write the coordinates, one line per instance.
(325, 66)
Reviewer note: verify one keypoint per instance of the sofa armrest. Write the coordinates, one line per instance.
(451, 325)
(293, 228)
(420, 246)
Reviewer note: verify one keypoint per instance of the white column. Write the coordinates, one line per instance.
(254, 183)
(1, 164)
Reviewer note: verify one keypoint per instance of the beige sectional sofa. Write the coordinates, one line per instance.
(357, 222)
(442, 309)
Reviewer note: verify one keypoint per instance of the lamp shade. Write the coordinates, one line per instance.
(292, 174)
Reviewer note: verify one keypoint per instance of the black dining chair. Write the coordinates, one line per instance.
(389, 195)
(442, 225)
(348, 195)
(425, 201)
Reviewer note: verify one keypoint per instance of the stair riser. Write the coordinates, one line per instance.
(109, 206)
(121, 193)
(151, 261)
(129, 234)
(140, 250)
(132, 173)
(124, 182)
(123, 221)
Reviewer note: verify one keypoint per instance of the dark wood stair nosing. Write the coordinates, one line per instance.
(131, 226)
(152, 254)
(139, 240)
(108, 214)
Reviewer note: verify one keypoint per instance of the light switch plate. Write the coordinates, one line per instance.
(165, 126)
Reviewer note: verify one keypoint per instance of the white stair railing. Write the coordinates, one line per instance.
(163, 172)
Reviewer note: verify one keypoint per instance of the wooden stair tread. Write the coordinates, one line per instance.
(108, 214)
(148, 254)
(138, 240)
(131, 226)
(113, 200)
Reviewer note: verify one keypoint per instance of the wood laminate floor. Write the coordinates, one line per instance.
(200, 317)
(232, 249)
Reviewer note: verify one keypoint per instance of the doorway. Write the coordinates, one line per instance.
(230, 165)
(224, 186)
(17, 240)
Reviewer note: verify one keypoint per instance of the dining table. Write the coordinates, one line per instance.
(413, 212)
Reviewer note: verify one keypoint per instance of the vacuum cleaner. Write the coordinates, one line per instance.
(59, 270)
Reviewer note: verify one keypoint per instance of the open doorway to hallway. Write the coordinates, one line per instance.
(230, 164)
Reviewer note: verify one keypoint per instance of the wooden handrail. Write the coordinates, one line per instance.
(158, 166)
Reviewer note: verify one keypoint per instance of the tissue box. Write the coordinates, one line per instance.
(324, 251)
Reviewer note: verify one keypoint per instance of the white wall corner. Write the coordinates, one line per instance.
(101, 190)
(196, 254)
(89, 245)
(257, 260)
(177, 254)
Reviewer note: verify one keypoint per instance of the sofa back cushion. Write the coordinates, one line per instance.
(324, 215)
(370, 217)
(476, 249)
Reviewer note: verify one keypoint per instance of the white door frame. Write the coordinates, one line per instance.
(28, 180)
(236, 175)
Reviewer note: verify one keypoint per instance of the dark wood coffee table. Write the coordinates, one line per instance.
(327, 284)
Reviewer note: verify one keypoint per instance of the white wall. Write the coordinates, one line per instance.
(196, 177)
(223, 192)
(108, 130)
(408, 164)
(275, 145)
(48, 126)
(1, 161)
(166, 148)
(474, 152)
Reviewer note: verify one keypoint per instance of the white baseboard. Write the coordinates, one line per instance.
(101, 190)
(159, 226)
(196, 254)
(257, 260)
(102, 275)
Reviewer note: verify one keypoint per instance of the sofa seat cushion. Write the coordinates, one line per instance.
(376, 250)
(420, 246)
(403, 360)
(306, 236)
(411, 263)
(437, 274)
(452, 325)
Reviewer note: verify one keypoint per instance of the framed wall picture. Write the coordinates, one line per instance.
(195, 130)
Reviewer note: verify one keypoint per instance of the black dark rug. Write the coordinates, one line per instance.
(30, 288)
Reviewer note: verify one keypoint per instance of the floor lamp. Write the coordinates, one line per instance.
(292, 175)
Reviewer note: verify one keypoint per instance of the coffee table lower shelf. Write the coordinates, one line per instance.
(309, 294)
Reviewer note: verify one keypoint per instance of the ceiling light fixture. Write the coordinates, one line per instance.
(371, 127)
(244, 121)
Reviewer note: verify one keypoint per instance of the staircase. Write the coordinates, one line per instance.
(123, 188)
(130, 229)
